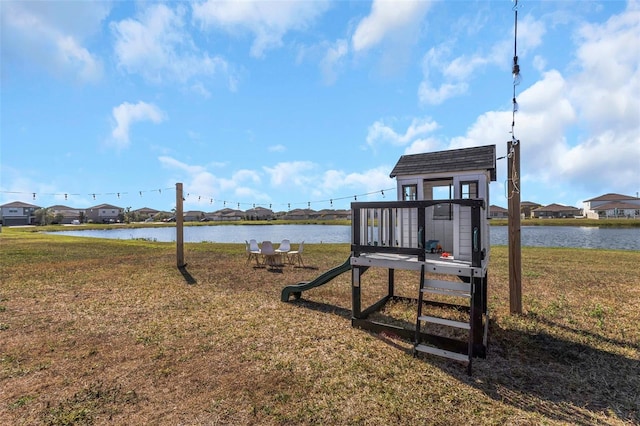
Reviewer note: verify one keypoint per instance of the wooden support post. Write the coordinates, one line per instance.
(515, 261)
(356, 307)
(179, 227)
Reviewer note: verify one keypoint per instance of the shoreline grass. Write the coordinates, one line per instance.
(96, 331)
(596, 223)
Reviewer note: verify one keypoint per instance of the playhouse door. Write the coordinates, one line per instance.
(407, 221)
(466, 189)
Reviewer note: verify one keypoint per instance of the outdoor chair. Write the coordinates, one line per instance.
(296, 255)
(284, 248)
(252, 251)
(269, 255)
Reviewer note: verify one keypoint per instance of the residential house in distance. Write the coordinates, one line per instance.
(145, 213)
(66, 215)
(193, 215)
(612, 206)
(18, 213)
(497, 212)
(300, 214)
(527, 208)
(225, 215)
(259, 213)
(330, 214)
(556, 211)
(103, 213)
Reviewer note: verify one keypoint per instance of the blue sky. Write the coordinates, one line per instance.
(291, 104)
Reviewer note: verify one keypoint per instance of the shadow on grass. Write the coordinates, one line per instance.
(561, 378)
(558, 378)
(186, 275)
(324, 308)
(387, 337)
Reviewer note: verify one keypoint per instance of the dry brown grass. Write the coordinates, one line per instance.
(98, 331)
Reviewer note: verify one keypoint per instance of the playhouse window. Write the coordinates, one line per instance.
(468, 190)
(409, 192)
(442, 191)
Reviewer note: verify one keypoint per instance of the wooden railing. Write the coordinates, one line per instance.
(399, 226)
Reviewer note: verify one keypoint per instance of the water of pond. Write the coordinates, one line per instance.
(535, 236)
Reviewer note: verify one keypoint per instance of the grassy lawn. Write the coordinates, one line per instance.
(111, 332)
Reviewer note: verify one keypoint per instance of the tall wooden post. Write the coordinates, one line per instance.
(515, 260)
(179, 227)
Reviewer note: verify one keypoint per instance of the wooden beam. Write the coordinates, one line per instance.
(179, 227)
(515, 260)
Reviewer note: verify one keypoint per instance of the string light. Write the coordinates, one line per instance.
(516, 81)
(201, 198)
(515, 70)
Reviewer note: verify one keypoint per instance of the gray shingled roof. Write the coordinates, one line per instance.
(556, 208)
(455, 160)
(612, 197)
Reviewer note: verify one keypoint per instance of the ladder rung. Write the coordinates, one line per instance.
(444, 321)
(446, 292)
(441, 352)
(447, 287)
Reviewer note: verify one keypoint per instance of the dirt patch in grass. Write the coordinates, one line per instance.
(111, 332)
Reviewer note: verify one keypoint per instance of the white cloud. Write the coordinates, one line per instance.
(157, 46)
(50, 35)
(608, 84)
(202, 186)
(436, 96)
(379, 132)
(333, 59)
(373, 180)
(386, 18)
(445, 78)
(126, 114)
(423, 145)
(579, 131)
(277, 148)
(291, 173)
(267, 21)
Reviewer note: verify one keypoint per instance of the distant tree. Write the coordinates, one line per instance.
(43, 216)
(127, 215)
(58, 218)
(161, 216)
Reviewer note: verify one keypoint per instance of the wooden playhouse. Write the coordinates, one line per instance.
(439, 227)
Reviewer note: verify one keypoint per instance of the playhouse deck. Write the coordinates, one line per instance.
(402, 235)
(433, 262)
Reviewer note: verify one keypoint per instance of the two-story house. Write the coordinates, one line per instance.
(612, 206)
(104, 213)
(18, 213)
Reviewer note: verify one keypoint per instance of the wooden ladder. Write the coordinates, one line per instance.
(460, 290)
